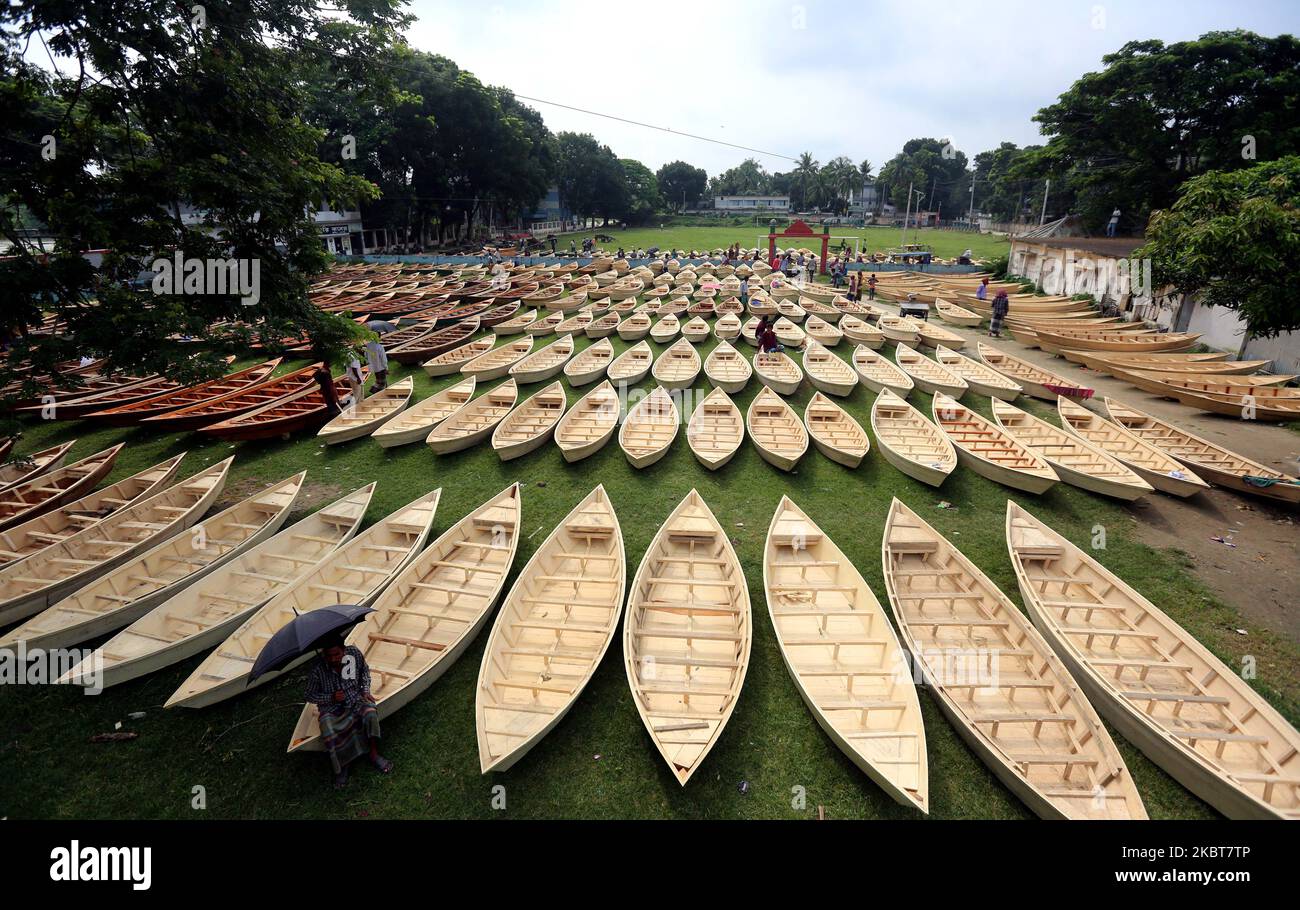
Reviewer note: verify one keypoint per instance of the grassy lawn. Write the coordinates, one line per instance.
(599, 761)
(876, 239)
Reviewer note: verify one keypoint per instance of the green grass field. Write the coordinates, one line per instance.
(599, 762)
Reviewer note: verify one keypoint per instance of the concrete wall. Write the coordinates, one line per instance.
(1222, 330)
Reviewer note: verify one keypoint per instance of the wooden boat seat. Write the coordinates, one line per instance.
(905, 539)
(1034, 543)
(408, 642)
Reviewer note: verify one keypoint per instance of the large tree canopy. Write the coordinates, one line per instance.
(934, 170)
(591, 178)
(681, 184)
(1233, 237)
(643, 198)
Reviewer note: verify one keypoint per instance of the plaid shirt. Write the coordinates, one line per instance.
(323, 681)
(1000, 306)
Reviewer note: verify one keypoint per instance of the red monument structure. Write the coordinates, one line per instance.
(800, 229)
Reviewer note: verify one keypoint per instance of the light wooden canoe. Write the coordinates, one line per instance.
(635, 327)
(135, 587)
(665, 330)
(632, 365)
(545, 363)
(649, 428)
(1265, 388)
(823, 332)
(454, 361)
(998, 682)
(496, 362)
(878, 373)
(727, 327)
(899, 328)
(432, 612)
(909, 442)
(30, 586)
(38, 495)
(554, 627)
(716, 430)
(861, 332)
(1255, 406)
(355, 573)
(677, 367)
(363, 418)
(932, 335)
(789, 334)
(29, 467)
(978, 376)
(591, 364)
(603, 327)
(827, 372)
(204, 614)
(843, 655)
(835, 433)
(475, 421)
(929, 375)
(727, 369)
(1166, 693)
(1100, 360)
(788, 309)
(1135, 343)
(415, 423)
(545, 325)
(696, 330)
(776, 430)
(577, 323)
(778, 372)
(516, 324)
(36, 534)
(956, 315)
(749, 331)
(531, 424)
(1075, 460)
(1153, 465)
(991, 451)
(589, 424)
(688, 636)
(1210, 461)
(1033, 379)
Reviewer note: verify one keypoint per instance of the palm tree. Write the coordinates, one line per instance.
(806, 170)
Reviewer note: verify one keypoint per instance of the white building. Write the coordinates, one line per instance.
(751, 203)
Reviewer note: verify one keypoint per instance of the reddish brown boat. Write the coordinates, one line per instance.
(232, 404)
(127, 414)
(394, 340)
(498, 314)
(51, 489)
(466, 310)
(301, 410)
(435, 343)
(7, 446)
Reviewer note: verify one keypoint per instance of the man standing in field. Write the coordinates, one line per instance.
(1000, 306)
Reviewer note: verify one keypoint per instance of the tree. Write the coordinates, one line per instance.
(745, 179)
(1233, 238)
(999, 187)
(932, 167)
(643, 198)
(681, 184)
(806, 182)
(591, 180)
(838, 179)
(1158, 114)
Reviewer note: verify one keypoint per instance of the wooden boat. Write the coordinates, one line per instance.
(778, 372)
(1130, 342)
(688, 636)
(131, 413)
(1033, 379)
(23, 470)
(415, 423)
(365, 417)
(776, 430)
(6, 446)
(991, 451)
(727, 328)
(203, 614)
(135, 587)
(233, 404)
(980, 377)
(496, 362)
(727, 369)
(577, 323)
(475, 421)
(32, 536)
(929, 375)
(789, 334)
(1210, 461)
(432, 612)
(909, 442)
(546, 325)
(554, 627)
(453, 361)
(590, 365)
(834, 432)
(516, 324)
(877, 373)
(531, 424)
(1097, 360)
(678, 366)
(749, 331)
(932, 336)
(761, 306)
(827, 372)
(544, 296)
(665, 330)
(843, 655)
(436, 342)
(1075, 460)
(696, 330)
(788, 309)
(283, 417)
(545, 363)
(823, 332)
(899, 328)
(603, 327)
(1255, 406)
(635, 327)
(715, 430)
(649, 428)
(355, 573)
(589, 424)
(27, 499)
(1231, 370)
(956, 315)
(1004, 692)
(1153, 465)
(493, 317)
(35, 583)
(1167, 694)
(730, 307)
(631, 366)
(1168, 385)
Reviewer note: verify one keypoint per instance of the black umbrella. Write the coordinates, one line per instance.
(381, 326)
(303, 634)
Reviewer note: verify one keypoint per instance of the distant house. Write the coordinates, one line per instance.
(865, 199)
(550, 215)
(751, 203)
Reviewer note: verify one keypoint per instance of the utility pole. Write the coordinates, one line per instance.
(902, 241)
(971, 216)
(1047, 186)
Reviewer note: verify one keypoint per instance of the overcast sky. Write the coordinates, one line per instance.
(833, 77)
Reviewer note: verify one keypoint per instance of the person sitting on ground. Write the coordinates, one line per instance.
(768, 342)
(338, 684)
